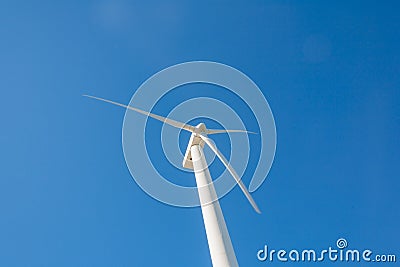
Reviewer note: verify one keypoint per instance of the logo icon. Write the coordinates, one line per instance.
(231, 100)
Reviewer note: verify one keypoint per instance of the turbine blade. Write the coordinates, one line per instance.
(173, 123)
(209, 142)
(215, 131)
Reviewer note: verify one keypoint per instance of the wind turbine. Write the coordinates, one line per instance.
(219, 241)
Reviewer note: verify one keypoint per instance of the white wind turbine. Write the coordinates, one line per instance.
(219, 242)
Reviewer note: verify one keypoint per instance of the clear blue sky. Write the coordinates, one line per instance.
(330, 74)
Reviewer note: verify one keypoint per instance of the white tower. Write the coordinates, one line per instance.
(219, 242)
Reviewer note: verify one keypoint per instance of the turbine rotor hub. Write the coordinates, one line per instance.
(200, 128)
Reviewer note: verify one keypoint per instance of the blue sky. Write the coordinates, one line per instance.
(329, 72)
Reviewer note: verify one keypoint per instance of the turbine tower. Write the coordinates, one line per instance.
(219, 241)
